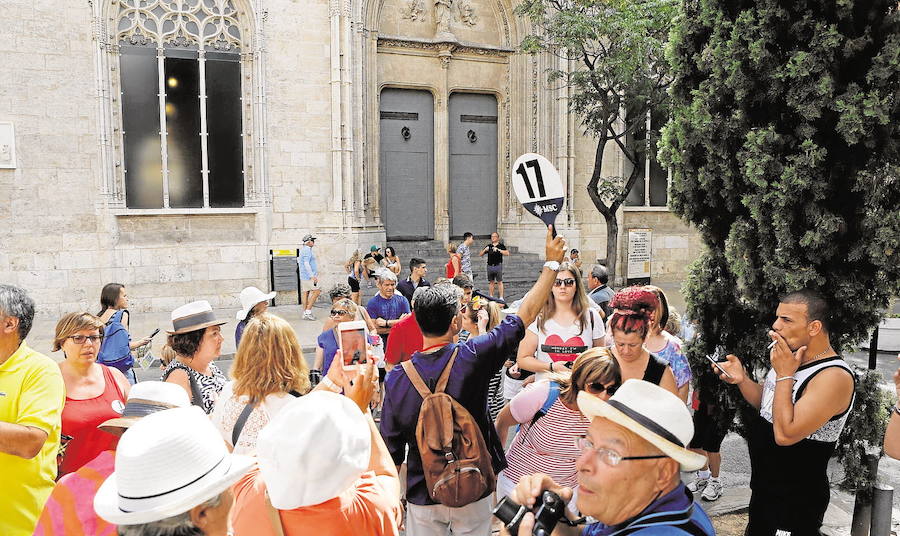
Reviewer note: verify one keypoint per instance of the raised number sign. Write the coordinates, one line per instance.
(538, 187)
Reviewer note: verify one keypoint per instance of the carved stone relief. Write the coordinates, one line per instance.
(413, 10)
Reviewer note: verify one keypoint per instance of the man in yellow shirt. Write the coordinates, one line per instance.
(32, 395)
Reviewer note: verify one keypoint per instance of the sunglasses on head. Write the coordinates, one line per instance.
(597, 388)
(567, 282)
(339, 312)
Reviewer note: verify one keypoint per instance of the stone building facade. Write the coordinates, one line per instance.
(171, 144)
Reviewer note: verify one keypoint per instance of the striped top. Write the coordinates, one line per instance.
(549, 445)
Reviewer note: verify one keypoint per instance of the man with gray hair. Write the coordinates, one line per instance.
(387, 307)
(597, 288)
(32, 395)
(407, 337)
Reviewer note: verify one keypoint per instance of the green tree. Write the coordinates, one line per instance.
(611, 53)
(784, 144)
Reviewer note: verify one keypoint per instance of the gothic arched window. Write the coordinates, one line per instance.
(177, 69)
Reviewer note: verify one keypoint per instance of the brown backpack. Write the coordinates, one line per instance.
(455, 458)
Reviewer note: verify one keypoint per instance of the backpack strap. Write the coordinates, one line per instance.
(552, 395)
(196, 396)
(416, 379)
(240, 422)
(445, 375)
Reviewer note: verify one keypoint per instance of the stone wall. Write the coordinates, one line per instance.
(60, 239)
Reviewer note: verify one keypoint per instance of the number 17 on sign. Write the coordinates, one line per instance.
(538, 187)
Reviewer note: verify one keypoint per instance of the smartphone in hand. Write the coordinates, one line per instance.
(716, 364)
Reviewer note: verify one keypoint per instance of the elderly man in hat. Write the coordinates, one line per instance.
(173, 476)
(70, 508)
(628, 470)
(309, 276)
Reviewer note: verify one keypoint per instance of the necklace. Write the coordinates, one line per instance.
(820, 354)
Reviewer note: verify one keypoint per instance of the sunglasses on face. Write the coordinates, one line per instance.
(338, 312)
(567, 282)
(597, 388)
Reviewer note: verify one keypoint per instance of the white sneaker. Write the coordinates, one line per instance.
(699, 484)
(308, 316)
(713, 490)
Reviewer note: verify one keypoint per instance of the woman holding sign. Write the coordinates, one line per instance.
(565, 327)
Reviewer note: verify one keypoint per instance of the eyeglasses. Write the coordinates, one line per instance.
(609, 457)
(81, 339)
(597, 388)
(338, 312)
(567, 282)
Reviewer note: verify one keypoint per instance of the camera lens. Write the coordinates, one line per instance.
(510, 513)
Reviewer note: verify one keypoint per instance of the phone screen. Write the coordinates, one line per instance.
(353, 346)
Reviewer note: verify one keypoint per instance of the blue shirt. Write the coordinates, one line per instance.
(307, 263)
(239, 332)
(666, 515)
(477, 362)
(391, 309)
(329, 346)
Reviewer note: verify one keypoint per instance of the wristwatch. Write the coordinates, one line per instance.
(553, 265)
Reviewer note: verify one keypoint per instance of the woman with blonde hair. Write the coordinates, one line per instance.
(566, 327)
(268, 371)
(550, 422)
(667, 346)
(95, 393)
(354, 267)
(454, 265)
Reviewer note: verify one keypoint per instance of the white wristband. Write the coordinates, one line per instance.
(330, 385)
(785, 378)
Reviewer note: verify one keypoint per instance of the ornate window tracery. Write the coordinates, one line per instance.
(181, 107)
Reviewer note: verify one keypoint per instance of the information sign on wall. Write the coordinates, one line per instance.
(283, 273)
(639, 256)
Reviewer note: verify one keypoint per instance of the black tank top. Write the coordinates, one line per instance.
(655, 368)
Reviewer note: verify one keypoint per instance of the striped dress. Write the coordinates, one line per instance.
(549, 445)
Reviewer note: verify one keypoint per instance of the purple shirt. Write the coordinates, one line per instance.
(391, 309)
(477, 362)
(329, 346)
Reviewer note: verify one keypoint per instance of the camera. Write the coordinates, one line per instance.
(547, 513)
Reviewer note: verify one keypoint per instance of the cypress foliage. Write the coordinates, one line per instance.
(785, 149)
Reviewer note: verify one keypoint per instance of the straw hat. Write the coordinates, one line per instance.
(251, 296)
(146, 398)
(313, 450)
(651, 412)
(166, 464)
(192, 317)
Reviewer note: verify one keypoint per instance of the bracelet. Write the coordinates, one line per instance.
(785, 378)
(551, 366)
(330, 385)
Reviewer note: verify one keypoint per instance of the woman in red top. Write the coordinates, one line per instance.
(453, 265)
(94, 392)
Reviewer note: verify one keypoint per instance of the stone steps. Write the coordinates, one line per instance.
(520, 270)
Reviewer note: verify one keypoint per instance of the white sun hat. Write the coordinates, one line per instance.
(250, 296)
(653, 413)
(167, 463)
(314, 449)
(145, 398)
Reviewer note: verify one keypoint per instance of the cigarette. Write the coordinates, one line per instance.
(771, 345)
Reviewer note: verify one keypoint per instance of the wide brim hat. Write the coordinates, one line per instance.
(316, 448)
(193, 316)
(166, 464)
(251, 296)
(146, 398)
(651, 412)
